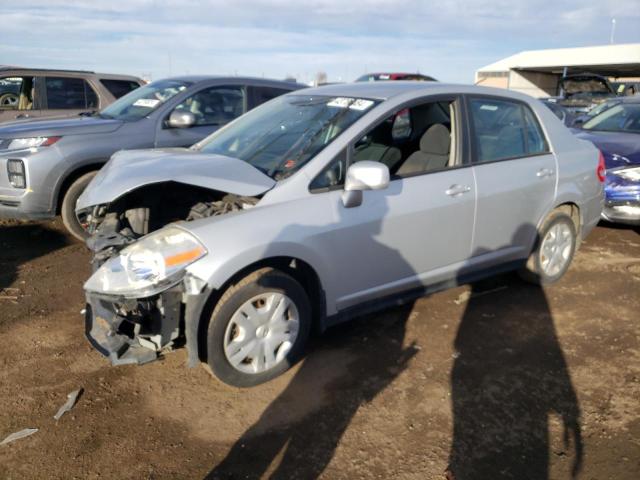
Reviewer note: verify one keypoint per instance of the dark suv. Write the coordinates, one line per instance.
(31, 92)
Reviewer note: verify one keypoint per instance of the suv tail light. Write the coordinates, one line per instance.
(601, 171)
(15, 169)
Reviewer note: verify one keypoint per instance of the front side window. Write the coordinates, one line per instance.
(144, 100)
(215, 105)
(411, 141)
(69, 93)
(624, 117)
(281, 136)
(503, 129)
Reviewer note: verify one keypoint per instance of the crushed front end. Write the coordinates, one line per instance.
(139, 298)
(134, 330)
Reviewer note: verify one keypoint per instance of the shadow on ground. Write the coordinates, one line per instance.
(22, 242)
(509, 377)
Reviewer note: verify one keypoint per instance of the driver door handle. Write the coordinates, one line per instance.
(544, 172)
(455, 190)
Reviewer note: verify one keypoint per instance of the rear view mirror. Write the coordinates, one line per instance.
(181, 119)
(365, 175)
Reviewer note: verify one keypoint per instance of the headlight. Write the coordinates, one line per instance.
(148, 266)
(31, 142)
(632, 174)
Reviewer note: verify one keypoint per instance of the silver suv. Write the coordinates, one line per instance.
(322, 204)
(46, 164)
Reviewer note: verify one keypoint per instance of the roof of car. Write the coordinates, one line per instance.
(22, 70)
(387, 90)
(234, 79)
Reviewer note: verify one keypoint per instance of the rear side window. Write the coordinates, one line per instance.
(264, 94)
(503, 129)
(69, 93)
(119, 88)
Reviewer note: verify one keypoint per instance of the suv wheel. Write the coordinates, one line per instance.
(554, 250)
(258, 328)
(68, 209)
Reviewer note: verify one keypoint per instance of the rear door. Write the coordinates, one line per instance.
(259, 95)
(213, 107)
(515, 176)
(68, 96)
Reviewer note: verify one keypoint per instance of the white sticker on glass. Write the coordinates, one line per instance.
(146, 102)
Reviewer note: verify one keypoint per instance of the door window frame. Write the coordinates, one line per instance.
(44, 99)
(245, 99)
(462, 151)
(472, 141)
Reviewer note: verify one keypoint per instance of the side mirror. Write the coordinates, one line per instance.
(181, 119)
(365, 175)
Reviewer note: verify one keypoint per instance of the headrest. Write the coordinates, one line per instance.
(436, 140)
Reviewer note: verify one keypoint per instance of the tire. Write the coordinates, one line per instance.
(227, 337)
(68, 208)
(538, 269)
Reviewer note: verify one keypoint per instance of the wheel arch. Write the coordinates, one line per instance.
(299, 269)
(71, 176)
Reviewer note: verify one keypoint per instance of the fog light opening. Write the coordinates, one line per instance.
(15, 170)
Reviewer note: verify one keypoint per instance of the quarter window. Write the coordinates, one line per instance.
(69, 93)
(215, 105)
(503, 129)
(119, 88)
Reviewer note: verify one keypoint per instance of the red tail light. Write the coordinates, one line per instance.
(601, 171)
(50, 141)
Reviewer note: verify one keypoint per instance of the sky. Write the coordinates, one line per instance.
(277, 38)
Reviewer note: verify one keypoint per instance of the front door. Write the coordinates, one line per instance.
(417, 231)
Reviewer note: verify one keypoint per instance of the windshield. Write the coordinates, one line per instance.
(597, 110)
(279, 137)
(621, 118)
(142, 101)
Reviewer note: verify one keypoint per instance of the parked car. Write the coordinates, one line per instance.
(616, 132)
(380, 77)
(559, 111)
(34, 93)
(316, 206)
(626, 87)
(596, 110)
(45, 165)
(581, 92)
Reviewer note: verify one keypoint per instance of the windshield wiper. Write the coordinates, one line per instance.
(88, 114)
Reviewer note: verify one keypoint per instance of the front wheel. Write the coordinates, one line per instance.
(258, 328)
(68, 208)
(553, 252)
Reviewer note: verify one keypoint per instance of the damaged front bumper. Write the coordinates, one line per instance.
(138, 331)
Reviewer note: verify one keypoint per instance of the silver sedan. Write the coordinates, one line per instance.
(322, 204)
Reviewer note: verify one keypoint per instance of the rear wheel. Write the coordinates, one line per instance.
(68, 208)
(258, 329)
(554, 250)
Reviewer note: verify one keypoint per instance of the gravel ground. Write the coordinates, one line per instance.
(495, 380)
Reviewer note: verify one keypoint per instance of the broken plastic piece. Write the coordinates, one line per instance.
(18, 435)
(72, 398)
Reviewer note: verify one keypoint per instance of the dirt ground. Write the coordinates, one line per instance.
(497, 380)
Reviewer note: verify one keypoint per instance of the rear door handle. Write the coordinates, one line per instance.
(455, 190)
(544, 172)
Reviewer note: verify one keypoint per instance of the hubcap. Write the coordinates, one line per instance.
(261, 332)
(555, 251)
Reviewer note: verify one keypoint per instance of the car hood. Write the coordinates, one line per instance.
(59, 126)
(620, 149)
(132, 169)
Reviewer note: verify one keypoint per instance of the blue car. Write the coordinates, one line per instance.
(616, 132)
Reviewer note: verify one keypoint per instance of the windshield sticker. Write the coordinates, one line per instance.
(146, 102)
(359, 104)
(491, 108)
